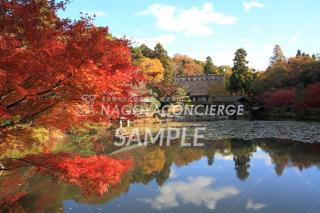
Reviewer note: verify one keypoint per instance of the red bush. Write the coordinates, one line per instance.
(311, 99)
(277, 98)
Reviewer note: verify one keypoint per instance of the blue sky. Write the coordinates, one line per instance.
(200, 28)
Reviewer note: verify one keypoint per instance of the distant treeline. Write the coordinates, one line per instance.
(287, 82)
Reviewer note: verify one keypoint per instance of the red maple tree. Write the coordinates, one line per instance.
(48, 63)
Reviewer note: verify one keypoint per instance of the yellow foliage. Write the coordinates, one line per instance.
(152, 69)
(186, 156)
(40, 134)
(17, 143)
(154, 161)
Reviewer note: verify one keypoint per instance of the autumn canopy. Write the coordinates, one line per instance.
(48, 63)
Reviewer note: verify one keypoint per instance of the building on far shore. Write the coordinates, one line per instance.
(199, 87)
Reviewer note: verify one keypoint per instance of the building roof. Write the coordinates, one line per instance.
(199, 85)
(230, 99)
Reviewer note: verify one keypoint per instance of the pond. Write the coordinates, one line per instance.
(226, 175)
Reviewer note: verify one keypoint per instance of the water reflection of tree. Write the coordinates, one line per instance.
(19, 142)
(150, 164)
(10, 194)
(153, 161)
(287, 153)
(27, 185)
(210, 151)
(242, 152)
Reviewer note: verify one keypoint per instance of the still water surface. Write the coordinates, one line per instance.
(265, 175)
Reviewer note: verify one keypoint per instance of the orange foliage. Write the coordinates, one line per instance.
(185, 65)
(192, 69)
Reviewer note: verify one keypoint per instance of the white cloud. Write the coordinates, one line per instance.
(252, 4)
(195, 21)
(264, 156)
(259, 56)
(173, 174)
(224, 157)
(197, 191)
(151, 42)
(255, 206)
(98, 14)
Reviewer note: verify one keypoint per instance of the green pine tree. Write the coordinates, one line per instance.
(136, 55)
(209, 66)
(299, 53)
(161, 54)
(146, 51)
(241, 77)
